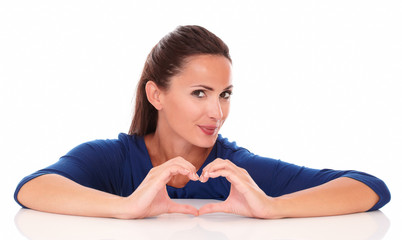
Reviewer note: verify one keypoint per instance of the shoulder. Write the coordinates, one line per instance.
(241, 156)
(131, 141)
(120, 146)
(226, 149)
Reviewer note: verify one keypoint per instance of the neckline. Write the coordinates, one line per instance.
(149, 165)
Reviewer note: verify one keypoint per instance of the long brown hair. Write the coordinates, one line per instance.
(165, 60)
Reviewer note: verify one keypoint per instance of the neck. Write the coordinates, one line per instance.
(163, 147)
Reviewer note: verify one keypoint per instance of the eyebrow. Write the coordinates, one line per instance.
(211, 89)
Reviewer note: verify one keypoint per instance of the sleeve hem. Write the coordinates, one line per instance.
(22, 183)
(377, 185)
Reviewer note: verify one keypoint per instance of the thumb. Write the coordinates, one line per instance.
(182, 208)
(214, 207)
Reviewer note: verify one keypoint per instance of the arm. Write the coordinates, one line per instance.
(339, 196)
(83, 182)
(342, 195)
(57, 194)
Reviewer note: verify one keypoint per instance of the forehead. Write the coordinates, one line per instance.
(210, 70)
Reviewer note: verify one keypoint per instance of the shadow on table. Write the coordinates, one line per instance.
(39, 225)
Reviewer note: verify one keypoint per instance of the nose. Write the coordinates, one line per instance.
(215, 110)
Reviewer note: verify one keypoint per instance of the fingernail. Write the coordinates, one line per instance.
(204, 177)
(194, 176)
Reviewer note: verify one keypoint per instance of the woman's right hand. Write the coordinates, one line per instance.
(151, 197)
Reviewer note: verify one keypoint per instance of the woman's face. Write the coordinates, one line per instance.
(197, 101)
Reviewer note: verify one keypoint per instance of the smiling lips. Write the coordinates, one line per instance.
(208, 129)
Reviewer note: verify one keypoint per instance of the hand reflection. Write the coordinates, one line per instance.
(39, 225)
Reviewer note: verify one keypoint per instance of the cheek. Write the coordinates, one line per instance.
(183, 109)
(225, 109)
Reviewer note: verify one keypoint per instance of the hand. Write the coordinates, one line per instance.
(151, 197)
(245, 197)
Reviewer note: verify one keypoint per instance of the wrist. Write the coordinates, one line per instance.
(279, 208)
(120, 208)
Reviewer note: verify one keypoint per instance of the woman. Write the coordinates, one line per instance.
(173, 150)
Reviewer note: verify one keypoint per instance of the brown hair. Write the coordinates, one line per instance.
(165, 60)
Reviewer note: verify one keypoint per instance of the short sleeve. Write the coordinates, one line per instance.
(96, 164)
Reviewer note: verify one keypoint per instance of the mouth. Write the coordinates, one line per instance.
(209, 129)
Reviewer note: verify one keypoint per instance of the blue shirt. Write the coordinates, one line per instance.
(118, 167)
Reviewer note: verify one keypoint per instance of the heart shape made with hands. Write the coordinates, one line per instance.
(245, 197)
(202, 207)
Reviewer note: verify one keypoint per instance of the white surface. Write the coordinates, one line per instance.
(34, 225)
(316, 83)
(38, 225)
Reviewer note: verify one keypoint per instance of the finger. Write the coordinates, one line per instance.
(213, 207)
(211, 173)
(216, 164)
(182, 208)
(182, 162)
(165, 174)
(204, 177)
(222, 169)
(184, 171)
(229, 174)
(185, 164)
(243, 183)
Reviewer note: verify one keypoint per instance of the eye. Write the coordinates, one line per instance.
(198, 93)
(226, 94)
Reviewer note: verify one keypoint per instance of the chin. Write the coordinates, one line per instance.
(206, 142)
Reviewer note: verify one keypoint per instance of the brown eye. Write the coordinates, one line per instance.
(226, 94)
(198, 93)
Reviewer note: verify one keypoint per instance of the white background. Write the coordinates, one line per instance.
(316, 83)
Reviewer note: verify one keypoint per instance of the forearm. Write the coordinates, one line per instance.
(340, 196)
(57, 194)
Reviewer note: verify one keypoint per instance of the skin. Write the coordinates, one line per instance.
(190, 113)
(197, 98)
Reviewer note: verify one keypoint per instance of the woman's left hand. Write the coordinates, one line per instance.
(245, 197)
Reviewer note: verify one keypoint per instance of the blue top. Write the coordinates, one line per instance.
(118, 166)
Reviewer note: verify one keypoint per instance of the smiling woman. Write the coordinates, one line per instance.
(173, 150)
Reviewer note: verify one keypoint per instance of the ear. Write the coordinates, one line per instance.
(153, 94)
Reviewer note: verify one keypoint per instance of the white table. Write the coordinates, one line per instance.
(39, 225)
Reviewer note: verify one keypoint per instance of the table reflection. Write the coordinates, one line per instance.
(39, 225)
